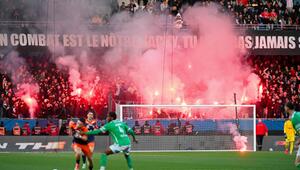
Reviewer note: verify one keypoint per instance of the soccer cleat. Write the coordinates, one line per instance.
(83, 166)
(286, 152)
(131, 169)
(77, 167)
(102, 168)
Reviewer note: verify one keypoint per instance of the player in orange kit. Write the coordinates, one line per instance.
(80, 142)
(91, 124)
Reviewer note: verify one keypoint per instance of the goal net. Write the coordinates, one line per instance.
(191, 127)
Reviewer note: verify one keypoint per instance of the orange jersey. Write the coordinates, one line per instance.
(76, 138)
(72, 125)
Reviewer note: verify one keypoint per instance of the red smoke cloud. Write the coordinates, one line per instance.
(209, 73)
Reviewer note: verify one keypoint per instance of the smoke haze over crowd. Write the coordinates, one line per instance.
(209, 73)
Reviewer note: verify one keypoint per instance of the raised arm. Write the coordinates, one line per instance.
(97, 131)
(131, 132)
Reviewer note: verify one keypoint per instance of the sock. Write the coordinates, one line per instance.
(103, 160)
(259, 148)
(90, 166)
(77, 163)
(286, 145)
(291, 147)
(83, 159)
(129, 161)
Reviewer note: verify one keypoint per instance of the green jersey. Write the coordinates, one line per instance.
(296, 120)
(117, 131)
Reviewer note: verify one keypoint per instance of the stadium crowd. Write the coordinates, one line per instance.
(245, 11)
(282, 12)
(280, 80)
(55, 92)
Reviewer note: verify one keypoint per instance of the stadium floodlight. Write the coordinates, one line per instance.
(214, 127)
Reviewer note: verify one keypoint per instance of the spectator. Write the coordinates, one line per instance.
(175, 6)
(158, 129)
(16, 130)
(137, 128)
(261, 131)
(132, 6)
(145, 2)
(146, 128)
(188, 128)
(123, 7)
(54, 131)
(164, 6)
(171, 128)
(178, 21)
(50, 129)
(265, 16)
(64, 130)
(2, 129)
(37, 130)
(273, 17)
(26, 131)
(176, 129)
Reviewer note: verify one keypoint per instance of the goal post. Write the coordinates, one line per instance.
(165, 128)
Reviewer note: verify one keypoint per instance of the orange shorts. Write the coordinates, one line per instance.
(91, 146)
(79, 148)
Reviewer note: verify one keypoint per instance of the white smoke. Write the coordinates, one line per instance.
(239, 140)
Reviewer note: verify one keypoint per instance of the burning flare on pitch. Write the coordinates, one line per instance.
(239, 140)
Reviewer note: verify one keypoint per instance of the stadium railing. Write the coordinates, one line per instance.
(274, 125)
(170, 25)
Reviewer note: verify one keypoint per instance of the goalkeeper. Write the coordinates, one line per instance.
(289, 132)
(295, 118)
(118, 132)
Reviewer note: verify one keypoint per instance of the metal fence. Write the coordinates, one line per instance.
(163, 24)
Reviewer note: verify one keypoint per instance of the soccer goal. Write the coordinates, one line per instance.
(191, 127)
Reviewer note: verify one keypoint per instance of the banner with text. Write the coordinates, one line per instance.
(106, 40)
(285, 42)
(271, 42)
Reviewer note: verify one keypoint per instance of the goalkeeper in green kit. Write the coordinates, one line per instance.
(118, 131)
(295, 118)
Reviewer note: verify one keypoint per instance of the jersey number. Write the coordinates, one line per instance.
(122, 131)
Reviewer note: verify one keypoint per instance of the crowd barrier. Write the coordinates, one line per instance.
(199, 125)
(146, 143)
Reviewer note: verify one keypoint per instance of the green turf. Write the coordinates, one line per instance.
(155, 161)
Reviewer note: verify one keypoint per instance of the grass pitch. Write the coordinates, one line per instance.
(155, 161)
